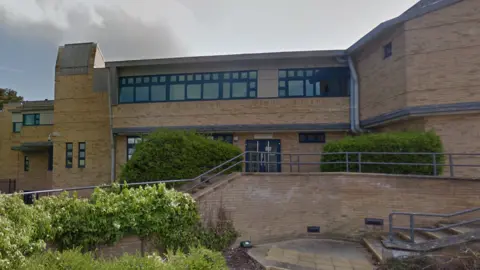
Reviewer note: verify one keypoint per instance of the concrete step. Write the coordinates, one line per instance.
(418, 237)
(375, 247)
(437, 234)
(459, 229)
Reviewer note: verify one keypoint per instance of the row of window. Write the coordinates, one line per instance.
(323, 82)
(198, 86)
(82, 152)
(320, 82)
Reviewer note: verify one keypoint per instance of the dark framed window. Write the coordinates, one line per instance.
(311, 137)
(26, 164)
(69, 155)
(387, 50)
(17, 127)
(314, 82)
(31, 119)
(223, 137)
(82, 152)
(188, 86)
(132, 142)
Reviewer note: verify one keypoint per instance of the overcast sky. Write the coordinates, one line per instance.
(32, 30)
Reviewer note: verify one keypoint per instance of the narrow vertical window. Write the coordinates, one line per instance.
(26, 164)
(69, 155)
(81, 154)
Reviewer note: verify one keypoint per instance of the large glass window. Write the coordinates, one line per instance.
(31, 119)
(198, 86)
(320, 82)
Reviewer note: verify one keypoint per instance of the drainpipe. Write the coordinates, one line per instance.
(112, 137)
(354, 97)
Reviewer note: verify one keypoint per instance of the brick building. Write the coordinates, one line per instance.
(419, 71)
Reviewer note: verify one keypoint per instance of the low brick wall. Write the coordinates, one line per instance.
(274, 206)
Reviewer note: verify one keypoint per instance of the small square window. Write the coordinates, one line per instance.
(253, 85)
(282, 74)
(163, 79)
(300, 73)
(282, 84)
(226, 76)
(181, 78)
(198, 77)
(173, 78)
(190, 77)
(311, 137)
(252, 93)
(126, 94)
(291, 73)
(154, 79)
(235, 75)
(309, 73)
(17, 127)
(130, 81)
(244, 75)
(387, 50)
(215, 76)
(252, 75)
(281, 93)
(206, 77)
(146, 79)
(123, 81)
(138, 80)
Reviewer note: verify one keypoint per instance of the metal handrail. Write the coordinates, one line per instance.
(348, 160)
(412, 229)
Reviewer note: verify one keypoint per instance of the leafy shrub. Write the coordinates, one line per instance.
(170, 154)
(405, 142)
(149, 212)
(218, 234)
(196, 259)
(22, 230)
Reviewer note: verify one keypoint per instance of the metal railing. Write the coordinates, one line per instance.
(353, 161)
(412, 229)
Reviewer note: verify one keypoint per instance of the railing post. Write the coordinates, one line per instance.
(450, 163)
(390, 227)
(298, 163)
(359, 162)
(290, 158)
(412, 228)
(346, 161)
(434, 164)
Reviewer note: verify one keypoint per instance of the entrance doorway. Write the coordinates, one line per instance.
(263, 156)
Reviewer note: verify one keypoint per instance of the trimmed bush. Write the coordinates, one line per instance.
(170, 154)
(400, 142)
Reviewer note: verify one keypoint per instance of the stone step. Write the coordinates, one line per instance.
(459, 229)
(418, 237)
(437, 234)
(375, 247)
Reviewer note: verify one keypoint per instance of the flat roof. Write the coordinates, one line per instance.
(228, 57)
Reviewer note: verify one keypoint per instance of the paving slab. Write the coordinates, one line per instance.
(313, 254)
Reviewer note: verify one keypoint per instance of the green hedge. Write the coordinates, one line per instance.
(196, 259)
(169, 154)
(404, 142)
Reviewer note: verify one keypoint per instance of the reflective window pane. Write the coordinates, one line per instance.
(282, 74)
(244, 75)
(252, 93)
(281, 93)
(252, 75)
(235, 75)
(194, 91)
(173, 78)
(215, 76)
(300, 73)
(211, 90)
(126, 94)
(141, 93)
(198, 77)
(158, 92)
(291, 73)
(239, 89)
(226, 76)
(138, 80)
(146, 79)
(81, 163)
(177, 92)
(130, 80)
(81, 154)
(226, 90)
(309, 89)
(190, 77)
(282, 84)
(163, 79)
(81, 146)
(123, 81)
(181, 78)
(295, 88)
(206, 77)
(154, 79)
(253, 85)
(309, 73)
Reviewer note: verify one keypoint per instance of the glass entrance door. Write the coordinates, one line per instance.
(263, 156)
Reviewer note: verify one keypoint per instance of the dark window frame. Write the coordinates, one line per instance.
(222, 79)
(84, 151)
(36, 119)
(132, 145)
(14, 130)
(340, 75)
(216, 137)
(67, 159)
(387, 50)
(311, 137)
(26, 164)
